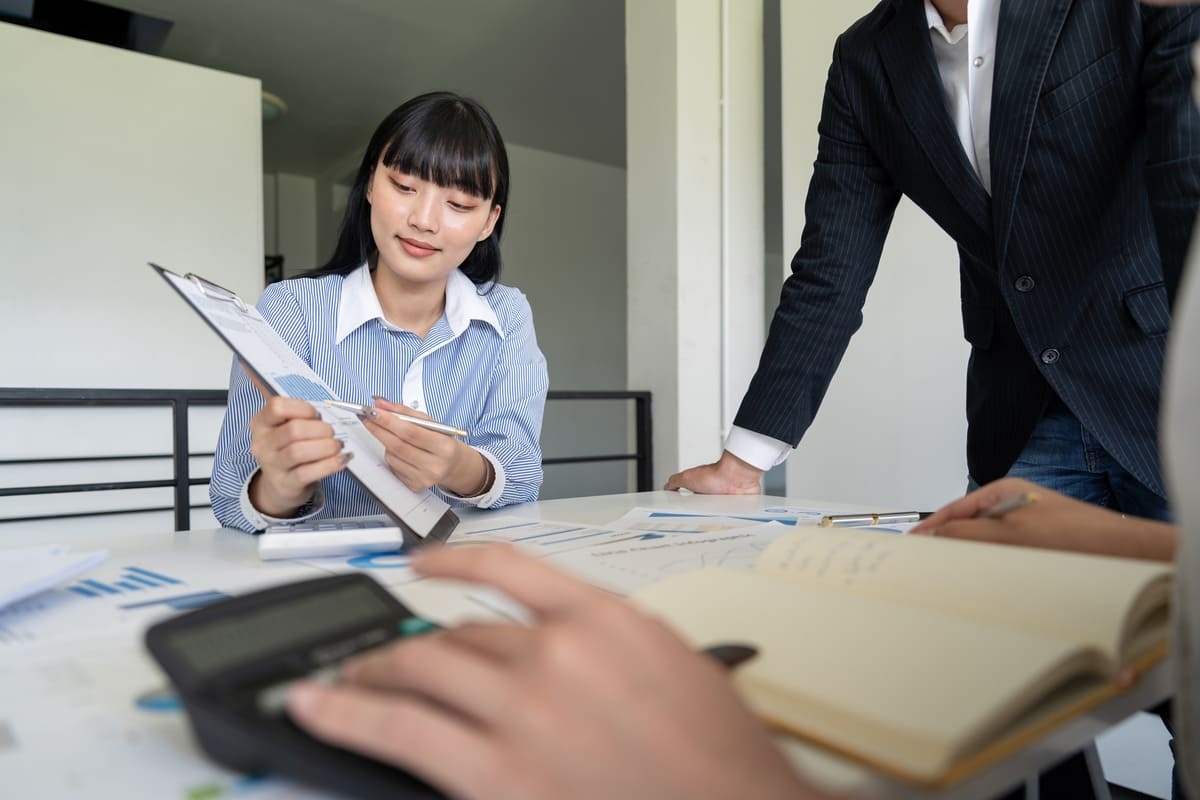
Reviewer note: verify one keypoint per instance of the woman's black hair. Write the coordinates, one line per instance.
(439, 137)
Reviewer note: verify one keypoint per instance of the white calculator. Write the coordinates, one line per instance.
(322, 538)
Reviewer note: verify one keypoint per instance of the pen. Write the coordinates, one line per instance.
(730, 655)
(368, 411)
(891, 518)
(1011, 504)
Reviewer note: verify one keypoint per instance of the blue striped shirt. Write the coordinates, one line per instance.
(479, 369)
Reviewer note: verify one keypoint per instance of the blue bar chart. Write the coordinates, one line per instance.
(181, 602)
(302, 388)
(132, 579)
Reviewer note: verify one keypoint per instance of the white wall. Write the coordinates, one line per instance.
(892, 429)
(695, 210)
(111, 159)
(290, 214)
(564, 246)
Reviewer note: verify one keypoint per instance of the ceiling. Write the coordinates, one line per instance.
(552, 72)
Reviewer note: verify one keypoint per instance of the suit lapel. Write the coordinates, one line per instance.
(907, 55)
(1028, 31)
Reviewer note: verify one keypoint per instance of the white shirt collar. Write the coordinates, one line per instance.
(359, 304)
(936, 23)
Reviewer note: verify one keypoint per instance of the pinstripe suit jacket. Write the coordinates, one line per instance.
(1067, 269)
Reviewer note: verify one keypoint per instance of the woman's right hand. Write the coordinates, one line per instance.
(594, 699)
(1054, 522)
(294, 448)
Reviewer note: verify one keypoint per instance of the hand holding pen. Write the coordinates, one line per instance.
(1017, 512)
(414, 417)
(984, 508)
(423, 453)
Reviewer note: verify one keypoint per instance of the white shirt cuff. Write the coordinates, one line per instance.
(488, 498)
(260, 521)
(756, 449)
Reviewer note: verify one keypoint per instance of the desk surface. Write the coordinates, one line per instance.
(75, 679)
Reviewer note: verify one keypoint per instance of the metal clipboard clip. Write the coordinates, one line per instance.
(215, 292)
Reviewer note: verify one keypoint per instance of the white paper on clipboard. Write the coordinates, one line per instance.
(269, 357)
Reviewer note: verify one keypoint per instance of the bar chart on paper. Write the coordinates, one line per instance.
(134, 579)
(302, 388)
(127, 594)
(139, 580)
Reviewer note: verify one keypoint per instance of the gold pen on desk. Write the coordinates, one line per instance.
(367, 411)
(1011, 504)
(853, 520)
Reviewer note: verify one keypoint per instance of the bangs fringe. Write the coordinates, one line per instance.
(456, 156)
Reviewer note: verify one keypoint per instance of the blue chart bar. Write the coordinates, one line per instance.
(379, 561)
(134, 579)
(182, 602)
(154, 575)
(548, 533)
(500, 528)
(302, 388)
(158, 701)
(749, 518)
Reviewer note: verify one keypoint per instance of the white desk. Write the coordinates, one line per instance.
(79, 715)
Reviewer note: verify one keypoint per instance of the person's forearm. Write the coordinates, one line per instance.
(1150, 540)
(1123, 537)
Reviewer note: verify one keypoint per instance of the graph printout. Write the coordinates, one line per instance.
(624, 567)
(260, 348)
(125, 596)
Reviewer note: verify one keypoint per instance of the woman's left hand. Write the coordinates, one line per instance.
(422, 458)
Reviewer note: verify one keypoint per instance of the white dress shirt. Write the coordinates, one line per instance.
(965, 57)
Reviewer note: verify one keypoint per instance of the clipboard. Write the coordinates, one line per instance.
(422, 517)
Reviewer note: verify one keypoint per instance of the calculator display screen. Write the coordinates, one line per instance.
(221, 644)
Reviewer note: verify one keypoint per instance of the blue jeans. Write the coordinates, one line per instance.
(1062, 455)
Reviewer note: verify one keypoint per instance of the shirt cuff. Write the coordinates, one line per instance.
(756, 449)
(260, 521)
(492, 496)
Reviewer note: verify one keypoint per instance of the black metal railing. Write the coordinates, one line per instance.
(181, 400)
(178, 400)
(643, 434)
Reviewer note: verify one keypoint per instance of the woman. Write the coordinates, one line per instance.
(407, 317)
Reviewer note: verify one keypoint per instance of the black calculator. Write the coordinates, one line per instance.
(225, 658)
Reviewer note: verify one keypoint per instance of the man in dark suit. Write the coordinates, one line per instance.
(1056, 142)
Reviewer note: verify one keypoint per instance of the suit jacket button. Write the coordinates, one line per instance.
(1049, 355)
(1023, 284)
